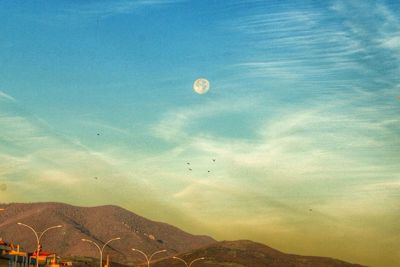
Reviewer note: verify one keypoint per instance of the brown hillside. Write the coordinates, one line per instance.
(105, 222)
(96, 223)
(249, 254)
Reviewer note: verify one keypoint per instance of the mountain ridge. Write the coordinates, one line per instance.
(247, 253)
(101, 223)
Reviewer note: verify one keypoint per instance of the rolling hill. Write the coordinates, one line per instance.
(245, 253)
(105, 222)
(95, 223)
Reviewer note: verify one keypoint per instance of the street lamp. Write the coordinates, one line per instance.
(102, 248)
(38, 237)
(148, 259)
(190, 264)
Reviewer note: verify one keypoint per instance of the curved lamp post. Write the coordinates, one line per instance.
(190, 264)
(148, 259)
(101, 249)
(38, 238)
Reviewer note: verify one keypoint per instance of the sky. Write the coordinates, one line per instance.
(302, 117)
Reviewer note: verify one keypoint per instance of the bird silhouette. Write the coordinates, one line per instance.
(213, 160)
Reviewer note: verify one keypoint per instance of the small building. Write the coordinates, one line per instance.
(14, 257)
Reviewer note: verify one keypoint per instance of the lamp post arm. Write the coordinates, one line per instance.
(53, 227)
(101, 252)
(94, 243)
(177, 258)
(144, 254)
(160, 251)
(33, 230)
(195, 261)
(109, 241)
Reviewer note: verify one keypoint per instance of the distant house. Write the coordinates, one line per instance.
(14, 257)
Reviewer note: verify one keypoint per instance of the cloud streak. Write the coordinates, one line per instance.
(6, 96)
(315, 46)
(303, 146)
(106, 9)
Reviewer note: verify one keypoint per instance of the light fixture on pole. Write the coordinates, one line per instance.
(38, 238)
(190, 264)
(101, 249)
(148, 259)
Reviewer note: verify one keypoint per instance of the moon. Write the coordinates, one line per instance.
(201, 86)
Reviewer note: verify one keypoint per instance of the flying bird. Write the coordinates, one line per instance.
(213, 160)
(189, 169)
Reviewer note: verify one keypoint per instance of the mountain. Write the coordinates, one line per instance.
(95, 223)
(246, 253)
(105, 222)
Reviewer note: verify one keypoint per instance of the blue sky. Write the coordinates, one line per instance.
(302, 113)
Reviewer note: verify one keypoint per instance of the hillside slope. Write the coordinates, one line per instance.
(244, 253)
(95, 223)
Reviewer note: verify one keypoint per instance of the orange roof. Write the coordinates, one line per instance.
(43, 253)
(4, 243)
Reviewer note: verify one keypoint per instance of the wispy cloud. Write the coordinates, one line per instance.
(104, 9)
(174, 125)
(101, 126)
(391, 42)
(6, 96)
(36, 158)
(320, 156)
(306, 145)
(317, 46)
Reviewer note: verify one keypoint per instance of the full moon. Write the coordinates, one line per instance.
(201, 86)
